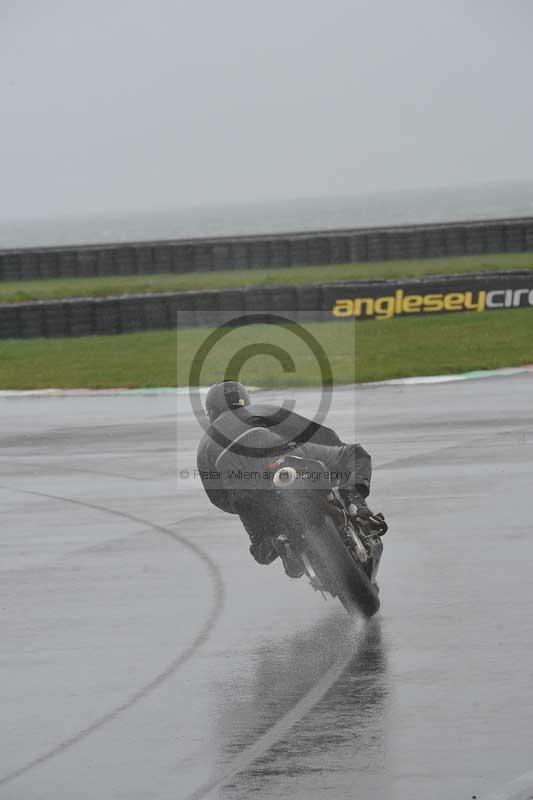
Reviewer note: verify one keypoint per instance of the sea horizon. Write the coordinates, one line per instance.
(399, 207)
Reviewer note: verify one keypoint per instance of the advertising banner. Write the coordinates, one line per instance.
(320, 302)
(433, 295)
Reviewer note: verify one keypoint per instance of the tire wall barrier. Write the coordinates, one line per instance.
(279, 250)
(360, 300)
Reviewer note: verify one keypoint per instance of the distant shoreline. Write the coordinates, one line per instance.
(493, 200)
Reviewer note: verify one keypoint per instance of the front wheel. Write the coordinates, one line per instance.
(347, 579)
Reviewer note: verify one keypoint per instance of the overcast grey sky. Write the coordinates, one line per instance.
(134, 105)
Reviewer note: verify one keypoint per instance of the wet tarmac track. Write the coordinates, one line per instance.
(145, 655)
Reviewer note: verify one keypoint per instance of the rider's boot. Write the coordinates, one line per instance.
(292, 562)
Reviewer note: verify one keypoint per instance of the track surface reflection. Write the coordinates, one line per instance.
(280, 694)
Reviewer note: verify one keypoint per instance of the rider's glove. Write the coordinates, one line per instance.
(356, 504)
(359, 511)
(362, 515)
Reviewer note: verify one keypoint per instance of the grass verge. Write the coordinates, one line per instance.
(386, 349)
(56, 289)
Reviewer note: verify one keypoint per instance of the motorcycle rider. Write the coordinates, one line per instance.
(251, 435)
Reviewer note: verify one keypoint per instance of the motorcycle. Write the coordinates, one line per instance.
(340, 553)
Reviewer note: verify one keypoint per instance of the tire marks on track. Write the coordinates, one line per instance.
(302, 707)
(217, 605)
(261, 745)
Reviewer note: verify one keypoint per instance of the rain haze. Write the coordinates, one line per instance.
(203, 441)
(142, 108)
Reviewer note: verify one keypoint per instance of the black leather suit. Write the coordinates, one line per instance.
(252, 436)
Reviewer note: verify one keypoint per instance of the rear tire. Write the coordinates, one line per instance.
(347, 580)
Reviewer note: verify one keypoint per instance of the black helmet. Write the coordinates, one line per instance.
(223, 396)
